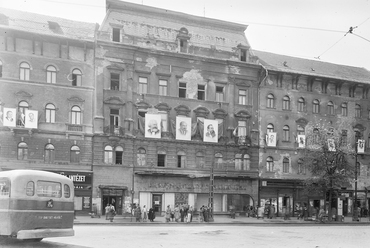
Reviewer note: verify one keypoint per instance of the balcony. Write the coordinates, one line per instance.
(114, 130)
(75, 128)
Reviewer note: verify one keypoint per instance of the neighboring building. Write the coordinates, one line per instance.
(297, 93)
(160, 68)
(47, 85)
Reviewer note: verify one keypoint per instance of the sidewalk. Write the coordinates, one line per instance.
(218, 219)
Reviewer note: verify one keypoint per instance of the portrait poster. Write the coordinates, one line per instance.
(210, 132)
(360, 146)
(271, 139)
(9, 117)
(331, 145)
(183, 128)
(152, 126)
(31, 117)
(301, 139)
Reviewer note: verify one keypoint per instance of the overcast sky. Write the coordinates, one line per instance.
(310, 29)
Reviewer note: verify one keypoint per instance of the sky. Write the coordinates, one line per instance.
(309, 29)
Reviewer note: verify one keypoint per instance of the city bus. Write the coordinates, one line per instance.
(35, 205)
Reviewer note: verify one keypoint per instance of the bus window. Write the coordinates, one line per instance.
(67, 191)
(30, 189)
(4, 187)
(49, 189)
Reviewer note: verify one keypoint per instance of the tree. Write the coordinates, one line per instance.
(327, 156)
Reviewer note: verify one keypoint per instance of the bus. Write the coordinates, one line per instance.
(35, 205)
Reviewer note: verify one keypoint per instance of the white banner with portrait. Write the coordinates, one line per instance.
(271, 139)
(9, 117)
(183, 128)
(301, 139)
(152, 126)
(31, 117)
(210, 131)
(360, 146)
(331, 145)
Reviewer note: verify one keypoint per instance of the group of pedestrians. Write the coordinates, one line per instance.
(143, 214)
(182, 213)
(110, 212)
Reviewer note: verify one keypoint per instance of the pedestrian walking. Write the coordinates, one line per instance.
(177, 213)
(168, 214)
(111, 213)
(137, 213)
(201, 214)
(190, 215)
(151, 214)
(144, 213)
(107, 208)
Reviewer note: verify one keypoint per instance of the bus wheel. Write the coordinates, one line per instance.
(34, 240)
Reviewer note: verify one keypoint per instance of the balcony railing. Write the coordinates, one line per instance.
(74, 128)
(114, 130)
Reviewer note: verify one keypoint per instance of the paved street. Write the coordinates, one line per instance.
(205, 235)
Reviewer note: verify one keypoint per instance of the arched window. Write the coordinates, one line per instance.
(286, 103)
(301, 167)
(50, 113)
(76, 115)
(330, 108)
(316, 106)
(108, 155)
(286, 133)
(270, 128)
(286, 165)
(218, 161)
(49, 153)
(75, 154)
(51, 74)
(270, 101)
(118, 154)
(181, 159)
(316, 136)
(238, 161)
(76, 77)
(199, 159)
(344, 109)
(22, 151)
(141, 157)
(358, 111)
(269, 164)
(24, 71)
(301, 104)
(300, 130)
(22, 107)
(246, 162)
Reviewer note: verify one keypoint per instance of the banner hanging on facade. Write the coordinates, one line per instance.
(152, 126)
(360, 146)
(9, 117)
(331, 145)
(271, 139)
(31, 117)
(301, 139)
(210, 132)
(183, 128)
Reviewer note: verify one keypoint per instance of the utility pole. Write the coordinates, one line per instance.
(211, 191)
(355, 213)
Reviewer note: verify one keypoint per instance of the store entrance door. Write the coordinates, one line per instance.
(109, 200)
(157, 203)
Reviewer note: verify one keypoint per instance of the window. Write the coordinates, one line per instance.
(301, 104)
(358, 111)
(164, 121)
(219, 94)
(108, 155)
(238, 161)
(315, 106)
(143, 85)
(242, 162)
(76, 115)
(114, 117)
(119, 155)
(76, 77)
(161, 159)
(330, 108)
(49, 189)
(316, 136)
(49, 153)
(270, 101)
(114, 81)
(246, 162)
(116, 36)
(286, 103)
(301, 167)
(269, 164)
(344, 109)
(286, 133)
(270, 128)
(51, 74)
(201, 92)
(162, 87)
(199, 159)
(183, 46)
(50, 113)
(30, 188)
(300, 130)
(343, 138)
(218, 161)
(141, 157)
(242, 97)
(24, 71)
(75, 154)
(67, 191)
(181, 159)
(182, 90)
(286, 165)
(22, 151)
(22, 107)
(243, 55)
(242, 128)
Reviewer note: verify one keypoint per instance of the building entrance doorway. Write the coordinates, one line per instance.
(109, 200)
(157, 203)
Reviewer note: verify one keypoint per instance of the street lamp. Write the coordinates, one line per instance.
(355, 213)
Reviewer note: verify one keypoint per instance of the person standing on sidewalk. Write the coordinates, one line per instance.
(145, 214)
(177, 213)
(151, 215)
(112, 212)
(168, 214)
(107, 208)
(190, 214)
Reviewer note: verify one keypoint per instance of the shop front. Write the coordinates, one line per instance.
(115, 196)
